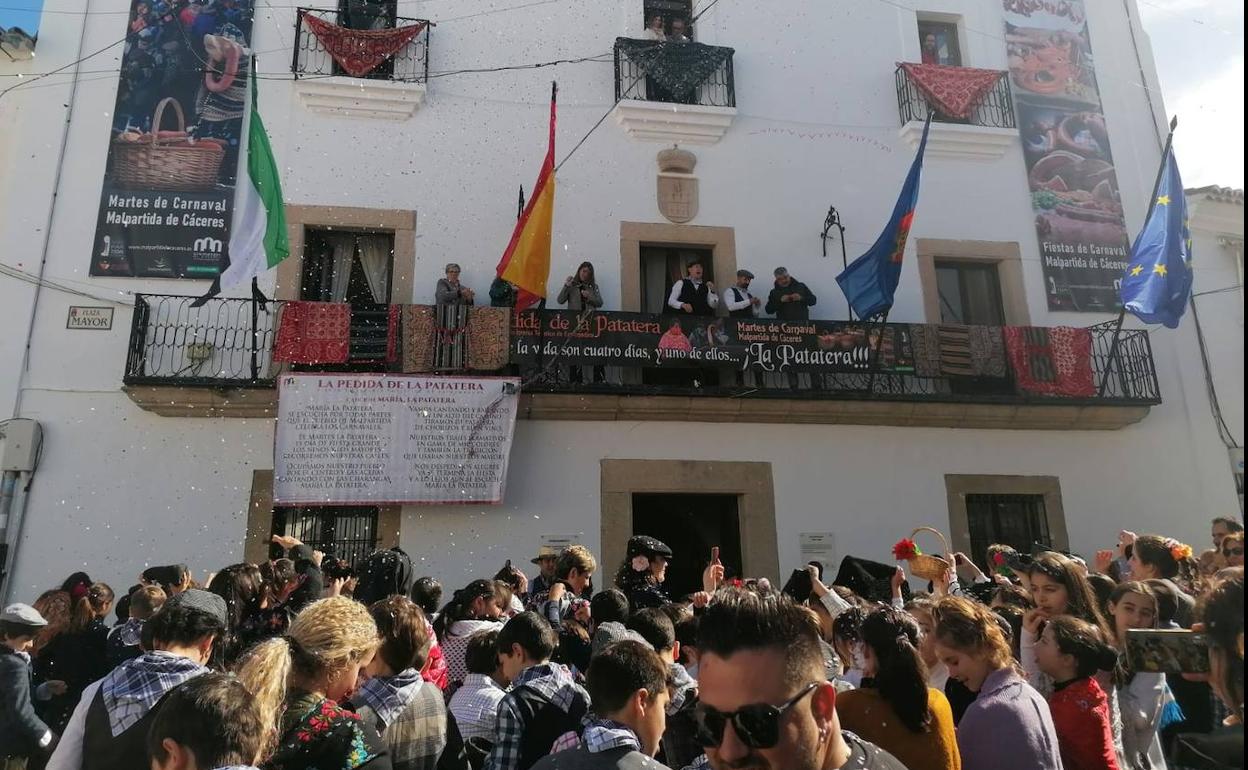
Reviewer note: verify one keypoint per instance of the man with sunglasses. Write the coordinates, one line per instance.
(766, 703)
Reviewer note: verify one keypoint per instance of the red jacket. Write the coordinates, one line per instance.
(1081, 715)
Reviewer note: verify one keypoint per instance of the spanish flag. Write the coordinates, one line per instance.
(526, 262)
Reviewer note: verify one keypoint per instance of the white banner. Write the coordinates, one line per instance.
(392, 438)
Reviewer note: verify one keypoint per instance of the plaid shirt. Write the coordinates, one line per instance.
(409, 714)
(388, 696)
(133, 688)
(552, 682)
(475, 706)
(701, 763)
(605, 734)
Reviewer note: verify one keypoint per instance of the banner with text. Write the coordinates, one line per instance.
(392, 438)
(1070, 169)
(762, 344)
(173, 150)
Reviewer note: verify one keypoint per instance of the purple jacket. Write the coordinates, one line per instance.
(1008, 725)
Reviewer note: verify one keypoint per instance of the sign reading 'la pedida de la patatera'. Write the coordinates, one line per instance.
(392, 438)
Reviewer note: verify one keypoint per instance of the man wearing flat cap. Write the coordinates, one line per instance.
(738, 300)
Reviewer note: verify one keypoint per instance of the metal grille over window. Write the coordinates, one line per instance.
(348, 533)
(1020, 521)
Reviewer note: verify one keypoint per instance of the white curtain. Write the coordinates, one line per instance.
(343, 245)
(375, 259)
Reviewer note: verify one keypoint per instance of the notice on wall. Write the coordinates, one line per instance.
(1070, 168)
(389, 438)
(818, 546)
(173, 146)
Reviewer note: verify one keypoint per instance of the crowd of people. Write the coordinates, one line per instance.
(1024, 661)
(691, 295)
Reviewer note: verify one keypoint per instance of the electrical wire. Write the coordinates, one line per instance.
(1215, 407)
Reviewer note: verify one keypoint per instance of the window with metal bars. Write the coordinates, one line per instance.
(347, 532)
(1020, 521)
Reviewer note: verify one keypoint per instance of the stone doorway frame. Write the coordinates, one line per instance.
(751, 482)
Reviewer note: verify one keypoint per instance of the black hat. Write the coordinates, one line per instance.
(868, 579)
(644, 545)
(745, 274)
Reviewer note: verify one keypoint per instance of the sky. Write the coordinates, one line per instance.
(20, 13)
(1198, 47)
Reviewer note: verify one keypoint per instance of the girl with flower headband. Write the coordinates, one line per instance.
(1155, 557)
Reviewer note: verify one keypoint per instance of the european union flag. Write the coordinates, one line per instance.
(1158, 282)
(871, 280)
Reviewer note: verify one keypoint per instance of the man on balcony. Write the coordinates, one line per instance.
(691, 295)
(738, 300)
(790, 299)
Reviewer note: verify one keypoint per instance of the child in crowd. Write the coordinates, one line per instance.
(301, 678)
(124, 640)
(1009, 724)
(895, 709)
(407, 712)
(544, 702)
(628, 685)
(680, 744)
(1071, 651)
(23, 735)
(475, 704)
(210, 722)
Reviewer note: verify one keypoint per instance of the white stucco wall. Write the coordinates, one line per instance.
(817, 124)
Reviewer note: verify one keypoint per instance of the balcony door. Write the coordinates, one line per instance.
(346, 266)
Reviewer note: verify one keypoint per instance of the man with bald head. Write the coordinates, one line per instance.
(765, 701)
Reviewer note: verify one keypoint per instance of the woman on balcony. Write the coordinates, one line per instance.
(450, 291)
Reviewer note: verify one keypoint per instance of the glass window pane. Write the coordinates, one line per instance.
(949, 290)
(982, 299)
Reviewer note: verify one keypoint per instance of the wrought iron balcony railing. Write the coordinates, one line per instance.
(674, 72)
(994, 109)
(364, 39)
(229, 343)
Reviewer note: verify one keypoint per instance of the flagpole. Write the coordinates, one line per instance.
(255, 331)
(1122, 312)
(875, 351)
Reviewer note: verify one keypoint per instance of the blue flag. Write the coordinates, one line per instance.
(871, 280)
(1158, 281)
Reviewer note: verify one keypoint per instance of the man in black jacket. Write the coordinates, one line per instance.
(790, 299)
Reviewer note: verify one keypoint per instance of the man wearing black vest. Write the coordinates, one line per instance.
(691, 295)
(738, 300)
(109, 726)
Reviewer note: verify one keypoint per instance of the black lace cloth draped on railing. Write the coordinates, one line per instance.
(678, 67)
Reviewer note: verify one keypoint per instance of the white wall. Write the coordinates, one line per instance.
(817, 125)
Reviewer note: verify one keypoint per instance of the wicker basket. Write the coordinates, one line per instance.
(166, 164)
(926, 566)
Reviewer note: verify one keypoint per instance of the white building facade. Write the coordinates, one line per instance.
(176, 465)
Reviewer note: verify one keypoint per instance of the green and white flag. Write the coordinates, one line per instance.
(258, 239)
